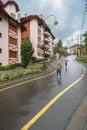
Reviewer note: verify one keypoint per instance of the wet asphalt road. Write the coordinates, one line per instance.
(20, 103)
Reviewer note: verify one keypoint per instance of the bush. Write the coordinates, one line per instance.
(6, 77)
(39, 60)
(82, 58)
(27, 72)
(43, 67)
(36, 68)
(10, 66)
(1, 79)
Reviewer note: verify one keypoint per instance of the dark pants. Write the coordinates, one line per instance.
(58, 72)
(66, 64)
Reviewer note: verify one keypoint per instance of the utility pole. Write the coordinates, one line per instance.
(85, 13)
(80, 34)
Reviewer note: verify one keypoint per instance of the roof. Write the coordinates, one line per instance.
(1, 4)
(12, 2)
(30, 17)
(75, 45)
(2, 9)
(7, 15)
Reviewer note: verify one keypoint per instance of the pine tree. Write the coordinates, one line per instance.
(26, 52)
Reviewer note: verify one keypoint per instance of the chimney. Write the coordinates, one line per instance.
(25, 14)
(18, 17)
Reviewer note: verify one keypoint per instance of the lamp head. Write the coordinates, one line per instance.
(55, 23)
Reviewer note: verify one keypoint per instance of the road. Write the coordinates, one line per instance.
(41, 102)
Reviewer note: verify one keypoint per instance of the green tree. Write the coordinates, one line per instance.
(85, 40)
(55, 50)
(59, 46)
(60, 49)
(26, 52)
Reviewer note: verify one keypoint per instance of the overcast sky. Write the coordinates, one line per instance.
(69, 14)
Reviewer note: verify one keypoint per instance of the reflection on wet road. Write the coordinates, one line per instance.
(20, 104)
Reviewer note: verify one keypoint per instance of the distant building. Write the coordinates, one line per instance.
(74, 49)
(40, 39)
(10, 33)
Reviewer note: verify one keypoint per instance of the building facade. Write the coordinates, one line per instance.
(74, 49)
(39, 34)
(13, 32)
(10, 33)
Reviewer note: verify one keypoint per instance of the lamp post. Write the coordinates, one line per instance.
(44, 26)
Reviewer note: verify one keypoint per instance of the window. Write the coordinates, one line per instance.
(13, 54)
(39, 54)
(11, 27)
(12, 15)
(42, 55)
(0, 50)
(0, 64)
(0, 35)
(12, 41)
(0, 19)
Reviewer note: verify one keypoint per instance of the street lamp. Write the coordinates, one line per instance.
(44, 25)
(55, 22)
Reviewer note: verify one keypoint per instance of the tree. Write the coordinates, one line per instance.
(55, 50)
(60, 49)
(59, 46)
(26, 52)
(85, 40)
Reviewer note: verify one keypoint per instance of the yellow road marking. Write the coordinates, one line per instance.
(4, 89)
(39, 114)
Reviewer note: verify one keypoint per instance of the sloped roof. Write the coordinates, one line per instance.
(1, 4)
(12, 2)
(30, 17)
(2, 10)
(75, 45)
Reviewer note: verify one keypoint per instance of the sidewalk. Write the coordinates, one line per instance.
(79, 119)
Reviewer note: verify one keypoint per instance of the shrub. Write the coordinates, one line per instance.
(1, 79)
(39, 60)
(27, 72)
(82, 58)
(10, 66)
(37, 70)
(6, 77)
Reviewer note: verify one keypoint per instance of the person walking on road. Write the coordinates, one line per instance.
(59, 67)
(66, 61)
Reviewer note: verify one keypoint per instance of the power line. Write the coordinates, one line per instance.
(85, 12)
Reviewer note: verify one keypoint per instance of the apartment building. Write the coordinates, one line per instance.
(10, 33)
(40, 35)
(13, 32)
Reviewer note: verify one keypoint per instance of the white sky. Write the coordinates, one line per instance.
(69, 14)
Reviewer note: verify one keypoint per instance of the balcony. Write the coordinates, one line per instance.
(47, 40)
(47, 34)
